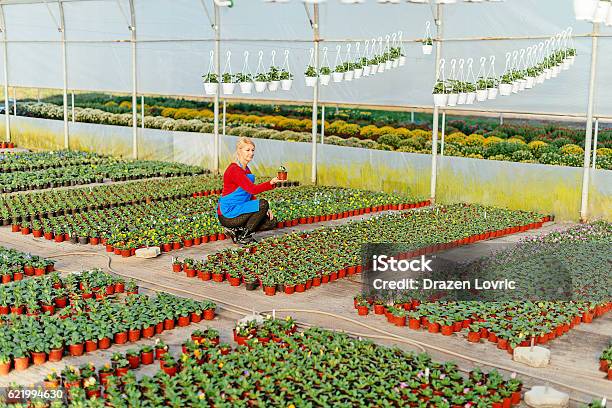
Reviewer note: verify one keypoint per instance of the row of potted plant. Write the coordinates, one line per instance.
(89, 325)
(455, 92)
(50, 293)
(7, 145)
(86, 174)
(19, 208)
(314, 367)
(298, 261)
(273, 80)
(29, 161)
(15, 265)
(356, 69)
(605, 361)
(174, 224)
(529, 315)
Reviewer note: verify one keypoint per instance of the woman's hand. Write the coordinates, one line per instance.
(270, 215)
(274, 181)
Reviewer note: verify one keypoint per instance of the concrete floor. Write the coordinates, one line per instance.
(574, 356)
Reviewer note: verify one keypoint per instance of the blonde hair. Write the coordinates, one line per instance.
(243, 141)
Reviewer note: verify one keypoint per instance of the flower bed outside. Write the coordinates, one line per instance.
(513, 323)
(15, 265)
(81, 313)
(49, 171)
(176, 223)
(298, 261)
(287, 368)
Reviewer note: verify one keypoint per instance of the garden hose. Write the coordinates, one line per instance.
(384, 335)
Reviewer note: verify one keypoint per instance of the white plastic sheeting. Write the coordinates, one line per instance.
(175, 38)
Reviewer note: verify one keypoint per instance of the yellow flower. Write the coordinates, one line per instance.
(290, 406)
(220, 365)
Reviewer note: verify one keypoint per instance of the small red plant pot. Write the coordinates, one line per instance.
(177, 267)
(516, 398)
(270, 290)
(147, 358)
(134, 335)
(56, 355)
(134, 362)
(91, 346)
(209, 314)
(121, 338)
(414, 324)
(379, 309)
(104, 343)
(183, 321)
(363, 310)
(474, 337)
(76, 349)
(168, 324)
(447, 330)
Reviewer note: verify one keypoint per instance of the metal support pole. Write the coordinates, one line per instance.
(595, 143)
(224, 112)
(315, 98)
(443, 132)
(72, 106)
(217, 28)
(142, 112)
(38, 95)
(132, 29)
(322, 124)
(62, 30)
(501, 118)
(434, 138)
(412, 117)
(584, 202)
(15, 100)
(7, 116)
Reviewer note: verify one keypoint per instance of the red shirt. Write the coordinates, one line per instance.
(235, 176)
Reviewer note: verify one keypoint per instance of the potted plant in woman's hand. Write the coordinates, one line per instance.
(310, 76)
(427, 46)
(282, 173)
(228, 83)
(211, 83)
(286, 80)
(245, 82)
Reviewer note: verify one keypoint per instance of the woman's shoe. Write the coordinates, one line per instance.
(245, 238)
(233, 233)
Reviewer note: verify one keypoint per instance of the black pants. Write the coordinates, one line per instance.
(255, 221)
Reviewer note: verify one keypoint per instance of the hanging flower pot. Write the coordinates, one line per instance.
(273, 86)
(210, 88)
(548, 72)
(260, 86)
(462, 98)
(395, 63)
(325, 79)
(515, 87)
(286, 84)
(311, 81)
(530, 82)
(337, 76)
(585, 9)
(246, 87)
(471, 97)
(402, 61)
(228, 88)
(348, 75)
(388, 64)
(358, 73)
(541, 78)
(505, 89)
(366, 70)
(452, 99)
(373, 69)
(481, 95)
(601, 12)
(381, 67)
(427, 49)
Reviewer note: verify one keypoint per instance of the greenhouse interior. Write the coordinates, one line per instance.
(306, 203)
